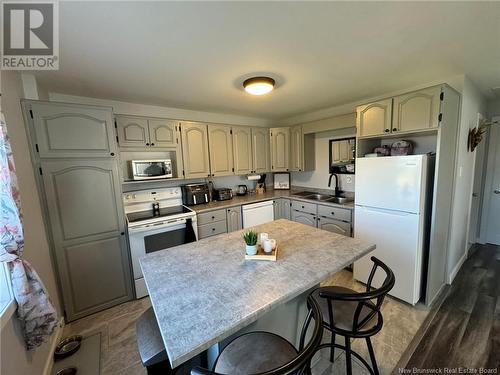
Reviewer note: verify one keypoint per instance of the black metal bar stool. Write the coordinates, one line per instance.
(354, 315)
(265, 353)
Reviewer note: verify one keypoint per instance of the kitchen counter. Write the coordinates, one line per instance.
(205, 291)
(254, 198)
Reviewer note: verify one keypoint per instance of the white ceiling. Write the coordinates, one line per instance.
(196, 55)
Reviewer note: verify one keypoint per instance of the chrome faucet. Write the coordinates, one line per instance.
(336, 183)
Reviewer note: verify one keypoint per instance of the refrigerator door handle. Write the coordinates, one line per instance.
(385, 211)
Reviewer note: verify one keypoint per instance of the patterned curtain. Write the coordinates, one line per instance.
(34, 308)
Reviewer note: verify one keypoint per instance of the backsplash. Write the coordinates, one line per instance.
(319, 177)
(218, 182)
(319, 180)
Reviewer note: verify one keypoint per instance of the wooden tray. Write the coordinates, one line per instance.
(261, 255)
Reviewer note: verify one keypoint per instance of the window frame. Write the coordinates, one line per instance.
(8, 309)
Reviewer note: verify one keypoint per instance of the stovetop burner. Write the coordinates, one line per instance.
(134, 217)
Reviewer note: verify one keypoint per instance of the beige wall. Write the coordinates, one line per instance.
(127, 108)
(494, 107)
(14, 359)
(319, 177)
(473, 103)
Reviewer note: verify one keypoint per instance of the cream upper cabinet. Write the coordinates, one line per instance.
(417, 110)
(374, 118)
(296, 148)
(242, 150)
(260, 150)
(195, 150)
(162, 133)
(72, 131)
(132, 131)
(220, 142)
(280, 149)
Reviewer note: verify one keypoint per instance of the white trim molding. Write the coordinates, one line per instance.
(457, 267)
(7, 312)
(55, 338)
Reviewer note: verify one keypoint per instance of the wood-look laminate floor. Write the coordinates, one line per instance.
(119, 354)
(465, 332)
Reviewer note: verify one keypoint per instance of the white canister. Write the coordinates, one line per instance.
(269, 245)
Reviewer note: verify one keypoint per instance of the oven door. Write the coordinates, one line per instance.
(145, 239)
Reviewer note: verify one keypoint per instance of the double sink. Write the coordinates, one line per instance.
(311, 195)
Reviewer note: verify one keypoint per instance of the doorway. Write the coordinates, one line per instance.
(490, 227)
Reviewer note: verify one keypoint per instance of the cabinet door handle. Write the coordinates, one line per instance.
(387, 130)
(112, 154)
(152, 144)
(496, 191)
(147, 144)
(333, 213)
(394, 129)
(213, 217)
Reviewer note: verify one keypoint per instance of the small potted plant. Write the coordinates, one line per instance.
(250, 238)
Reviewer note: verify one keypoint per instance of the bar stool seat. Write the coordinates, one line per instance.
(265, 353)
(150, 343)
(343, 311)
(255, 352)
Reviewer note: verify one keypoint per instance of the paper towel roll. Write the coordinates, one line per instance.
(253, 177)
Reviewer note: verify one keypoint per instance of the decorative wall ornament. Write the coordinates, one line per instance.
(476, 134)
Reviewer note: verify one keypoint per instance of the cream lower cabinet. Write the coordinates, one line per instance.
(220, 140)
(195, 150)
(280, 149)
(418, 110)
(335, 226)
(234, 219)
(281, 208)
(374, 118)
(304, 218)
(331, 218)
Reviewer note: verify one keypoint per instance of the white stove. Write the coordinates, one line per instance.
(157, 220)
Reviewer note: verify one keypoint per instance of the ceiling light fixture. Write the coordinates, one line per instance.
(259, 85)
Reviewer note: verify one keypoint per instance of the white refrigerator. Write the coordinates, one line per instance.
(390, 211)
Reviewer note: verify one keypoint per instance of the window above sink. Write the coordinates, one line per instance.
(342, 155)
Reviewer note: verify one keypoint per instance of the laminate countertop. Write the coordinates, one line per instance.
(254, 198)
(204, 291)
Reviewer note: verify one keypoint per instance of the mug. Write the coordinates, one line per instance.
(269, 245)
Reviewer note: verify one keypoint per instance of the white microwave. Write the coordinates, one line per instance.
(151, 169)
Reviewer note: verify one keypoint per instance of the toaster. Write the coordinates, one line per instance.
(223, 194)
(193, 194)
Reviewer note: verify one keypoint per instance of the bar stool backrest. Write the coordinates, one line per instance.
(371, 299)
(299, 364)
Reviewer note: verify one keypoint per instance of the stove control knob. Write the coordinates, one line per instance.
(134, 196)
(127, 196)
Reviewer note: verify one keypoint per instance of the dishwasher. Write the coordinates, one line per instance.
(257, 213)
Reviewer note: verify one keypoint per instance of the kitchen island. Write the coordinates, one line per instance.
(204, 292)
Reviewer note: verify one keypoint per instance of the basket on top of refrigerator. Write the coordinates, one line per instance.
(400, 148)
